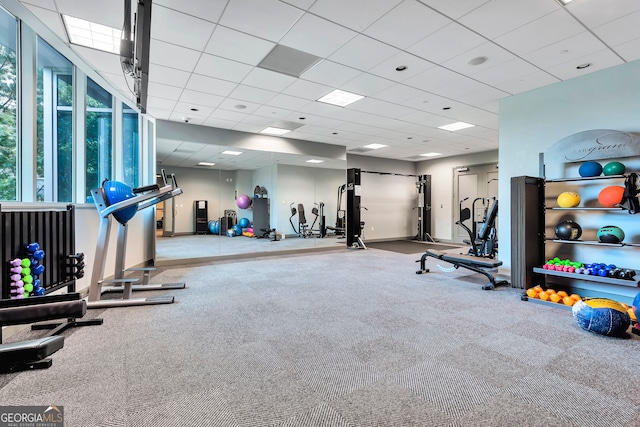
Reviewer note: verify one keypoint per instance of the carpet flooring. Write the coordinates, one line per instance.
(410, 246)
(342, 338)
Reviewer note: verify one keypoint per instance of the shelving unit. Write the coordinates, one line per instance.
(201, 219)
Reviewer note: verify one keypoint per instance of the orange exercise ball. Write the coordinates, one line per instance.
(611, 196)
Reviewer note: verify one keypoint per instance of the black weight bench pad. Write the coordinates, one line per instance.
(39, 312)
(25, 352)
(465, 259)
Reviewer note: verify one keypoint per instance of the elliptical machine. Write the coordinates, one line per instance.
(483, 242)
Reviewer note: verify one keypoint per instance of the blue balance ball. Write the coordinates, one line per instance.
(601, 316)
(244, 222)
(237, 229)
(214, 227)
(590, 169)
(116, 192)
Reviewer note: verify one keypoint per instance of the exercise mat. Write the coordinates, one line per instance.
(408, 246)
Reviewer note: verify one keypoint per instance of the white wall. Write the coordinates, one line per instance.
(533, 121)
(442, 190)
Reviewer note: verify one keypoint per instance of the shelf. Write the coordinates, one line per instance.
(594, 242)
(587, 209)
(587, 178)
(589, 278)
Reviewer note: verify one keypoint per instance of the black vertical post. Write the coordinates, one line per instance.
(424, 208)
(353, 206)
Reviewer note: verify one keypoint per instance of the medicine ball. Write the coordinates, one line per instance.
(568, 199)
(614, 168)
(610, 234)
(568, 230)
(602, 316)
(590, 169)
(611, 196)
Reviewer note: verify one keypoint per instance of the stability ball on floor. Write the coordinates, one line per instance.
(243, 201)
(244, 222)
(214, 227)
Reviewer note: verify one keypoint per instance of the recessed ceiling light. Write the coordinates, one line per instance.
(564, 2)
(302, 118)
(194, 109)
(206, 164)
(446, 108)
(456, 126)
(401, 67)
(583, 66)
(314, 161)
(374, 146)
(274, 131)
(477, 60)
(93, 35)
(432, 154)
(240, 106)
(232, 153)
(340, 98)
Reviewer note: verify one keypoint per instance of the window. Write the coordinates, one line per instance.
(8, 108)
(130, 145)
(54, 159)
(99, 125)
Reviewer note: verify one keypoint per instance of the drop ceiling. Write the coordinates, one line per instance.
(204, 58)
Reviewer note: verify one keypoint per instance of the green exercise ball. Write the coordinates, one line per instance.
(613, 168)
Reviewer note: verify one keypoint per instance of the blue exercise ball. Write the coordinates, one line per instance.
(590, 169)
(116, 192)
(244, 222)
(237, 229)
(214, 227)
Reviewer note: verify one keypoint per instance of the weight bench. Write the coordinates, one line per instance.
(32, 354)
(473, 263)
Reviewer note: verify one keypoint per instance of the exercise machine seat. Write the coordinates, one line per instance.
(473, 263)
(36, 313)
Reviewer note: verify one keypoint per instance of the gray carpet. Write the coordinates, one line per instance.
(411, 246)
(344, 338)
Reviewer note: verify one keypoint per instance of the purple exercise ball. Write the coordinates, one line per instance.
(243, 201)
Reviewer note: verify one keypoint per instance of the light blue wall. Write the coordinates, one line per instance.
(533, 121)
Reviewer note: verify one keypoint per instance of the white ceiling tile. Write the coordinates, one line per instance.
(179, 117)
(307, 90)
(233, 116)
(164, 91)
(196, 98)
(498, 17)
(173, 56)
(594, 14)
(406, 24)
(252, 94)
(302, 4)
(483, 96)
(205, 9)
(273, 112)
(630, 51)
(433, 78)
(454, 9)
(544, 31)
(397, 93)
(288, 102)
(51, 19)
(366, 84)
(565, 50)
(107, 62)
(304, 36)
(415, 65)
(525, 83)
(186, 109)
(446, 43)
(232, 104)
(153, 102)
(381, 108)
(46, 4)
(178, 28)
(258, 121)
(268, 19)
(219, 123)
(599, 60)
(269, 80)
(221, 68)
(506, 71)
(621, 30)
(363, 53)
(330, 73)
(423, 118)
(495, 56)
(354, 14)
(211, 85)
(237, 46)
(168, 76)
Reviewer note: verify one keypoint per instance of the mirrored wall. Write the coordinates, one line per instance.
(243, 202)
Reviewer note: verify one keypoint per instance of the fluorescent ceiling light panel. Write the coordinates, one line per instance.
(232, 153)
(206, 164)
(90, 34)
(274, 131)
(340, 98)
(456, 126)
(315, 161)
(432, 154)
(564, 2)
(374, 146)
